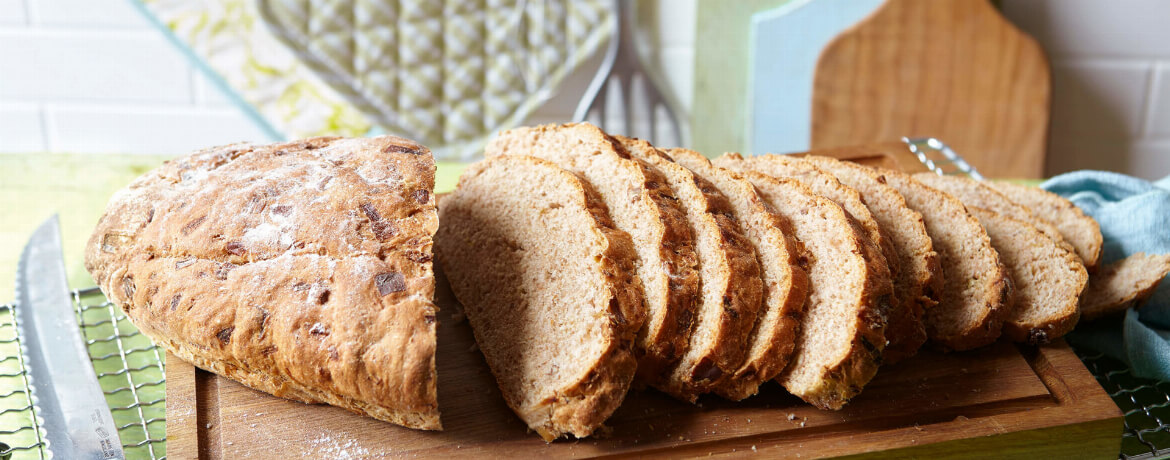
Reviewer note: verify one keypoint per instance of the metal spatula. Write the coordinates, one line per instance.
(640, 107)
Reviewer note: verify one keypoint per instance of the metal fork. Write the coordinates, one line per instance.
(622, 71)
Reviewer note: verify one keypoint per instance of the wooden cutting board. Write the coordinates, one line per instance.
(954, 69)
(1006, 400)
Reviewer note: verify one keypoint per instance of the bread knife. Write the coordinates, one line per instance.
(65, 390)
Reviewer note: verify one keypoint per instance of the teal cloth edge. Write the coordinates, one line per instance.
(273, 134)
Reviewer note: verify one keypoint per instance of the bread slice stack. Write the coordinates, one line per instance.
(591, 264)
(842, 334)
(731, 267)
(641, 204)
(1047, 274)
(918, 280)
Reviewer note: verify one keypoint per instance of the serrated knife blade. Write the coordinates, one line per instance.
(77, 421)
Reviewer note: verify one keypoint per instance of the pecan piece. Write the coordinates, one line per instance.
(390, 282)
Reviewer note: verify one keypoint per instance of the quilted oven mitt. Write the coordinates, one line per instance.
(446, 73)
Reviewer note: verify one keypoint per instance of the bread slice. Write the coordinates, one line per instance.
(1080, 230)
(641, 204)
(918, 282)
(725, 254)
(824, 184)
(1123, 284)
(977, 290)
(1047, 279)
(975, 193)
(841, 339)
(772, 337)
(547, 283)
(722, 333)
(301, 269)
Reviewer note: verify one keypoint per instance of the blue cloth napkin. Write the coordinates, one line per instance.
(1135, 217)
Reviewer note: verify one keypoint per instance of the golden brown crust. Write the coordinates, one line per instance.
(301, 269)
(663, 339)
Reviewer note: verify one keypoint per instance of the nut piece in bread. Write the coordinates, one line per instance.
(548, 285)
(300, 269)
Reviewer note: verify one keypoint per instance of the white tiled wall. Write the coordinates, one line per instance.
(1111, 81)
(94, 76)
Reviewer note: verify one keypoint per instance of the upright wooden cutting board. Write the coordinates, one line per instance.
(1004, 400)
(951, 69)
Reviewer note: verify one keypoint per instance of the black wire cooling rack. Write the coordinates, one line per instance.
(130, 369)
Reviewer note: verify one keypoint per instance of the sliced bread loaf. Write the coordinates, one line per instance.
(918, 282)
(1123, 284)
(641, 204)
(1081, 231)
(841, 338)
(975, 193)
(722, 335)
(725, 254)
(1047, 279)
(977, 290)
(548, 286)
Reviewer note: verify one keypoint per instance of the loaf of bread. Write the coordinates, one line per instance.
(772, 338)
(1080, 230)
(918, 280)
(842, 331)
(548, 285)
(641, 204)
(300, 269)
(977, 289)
